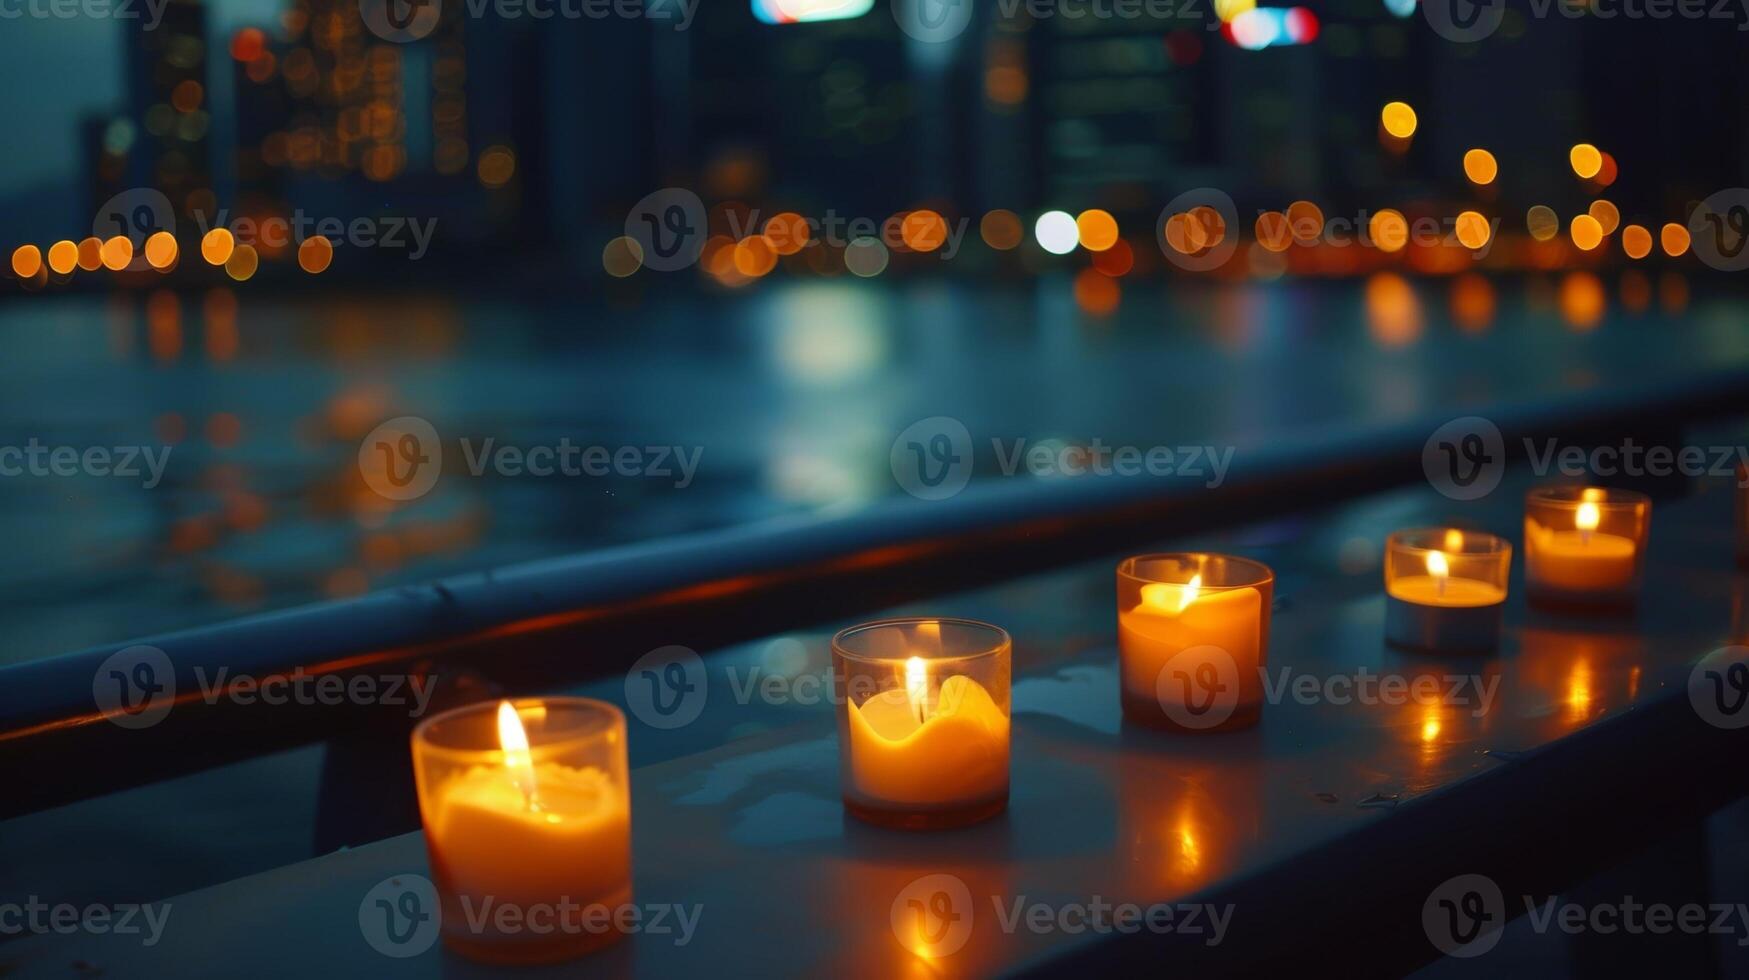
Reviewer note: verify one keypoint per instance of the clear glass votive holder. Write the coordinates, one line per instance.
(923, 721)
(1445, 589)
(1585, 546)
(527, 813)
(1192, 640)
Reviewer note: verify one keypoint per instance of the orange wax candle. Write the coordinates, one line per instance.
(530, 846)
(925, 738)
(907, 752)
(1585, 548)
(1445, 589)
(1191, 653)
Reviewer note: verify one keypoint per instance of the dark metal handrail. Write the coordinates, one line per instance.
(565, 620)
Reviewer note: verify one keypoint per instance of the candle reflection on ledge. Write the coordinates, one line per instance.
(1573, 678)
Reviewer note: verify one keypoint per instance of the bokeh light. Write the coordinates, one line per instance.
(63, 257)
(1096, 230)
(1542, 222)
(1001, 230)
(1480, 167)
(1272, 231)
(27, 261)
(1056, 232)
(1586, 232)
(1636, 241)
(622, 256)
(118, 252)
(923, 230)
(1398, 119)
(242, 263)
(1389, 230)
(216, 246)
(1586, 160)
(161, 250)
(91, 254)
(1472, 229)
(315, 254)
(1305, 222)
(1608, 215)
(866, 257)
(1674, 238)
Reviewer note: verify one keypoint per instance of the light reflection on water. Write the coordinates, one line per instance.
(793, 392)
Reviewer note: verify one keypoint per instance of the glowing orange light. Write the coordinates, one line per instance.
(1636, 241)
(1097, 293)
(1398, 119)
(1305, 222)
(118, 252)
(518, 760)
(1586, 232)
(1586, 160)
(923, 230)
(216, 246)
(1273, 232)
(1674, 238)
(1096, 229)
(1389, 230)
(63, 257)
(91, 254)
(315, 254)
(161, 250)
(1583, 300)
(27, 261)
(1480, 166)
(787, 232)
(1608, 215)
(1473, 230)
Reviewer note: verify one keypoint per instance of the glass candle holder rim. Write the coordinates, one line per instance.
(1399, 541)
(606, 716)
(1265, 575)
(1613, 500)
(1002, 641)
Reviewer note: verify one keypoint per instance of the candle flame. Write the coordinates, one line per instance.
(1191, 588)
(1437, 566)
(917, 683)
(1591, 495)
(1588, 516)
(517, 759)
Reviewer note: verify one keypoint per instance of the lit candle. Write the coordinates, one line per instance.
(1584, 547)
(925, 735)
(1193, 635)
(530, 842)
(1445, 589)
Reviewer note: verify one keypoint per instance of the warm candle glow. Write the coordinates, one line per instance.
(1454, 540)
(517, 759)
(1437, 566)
(1588, 517)
(917, 685)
